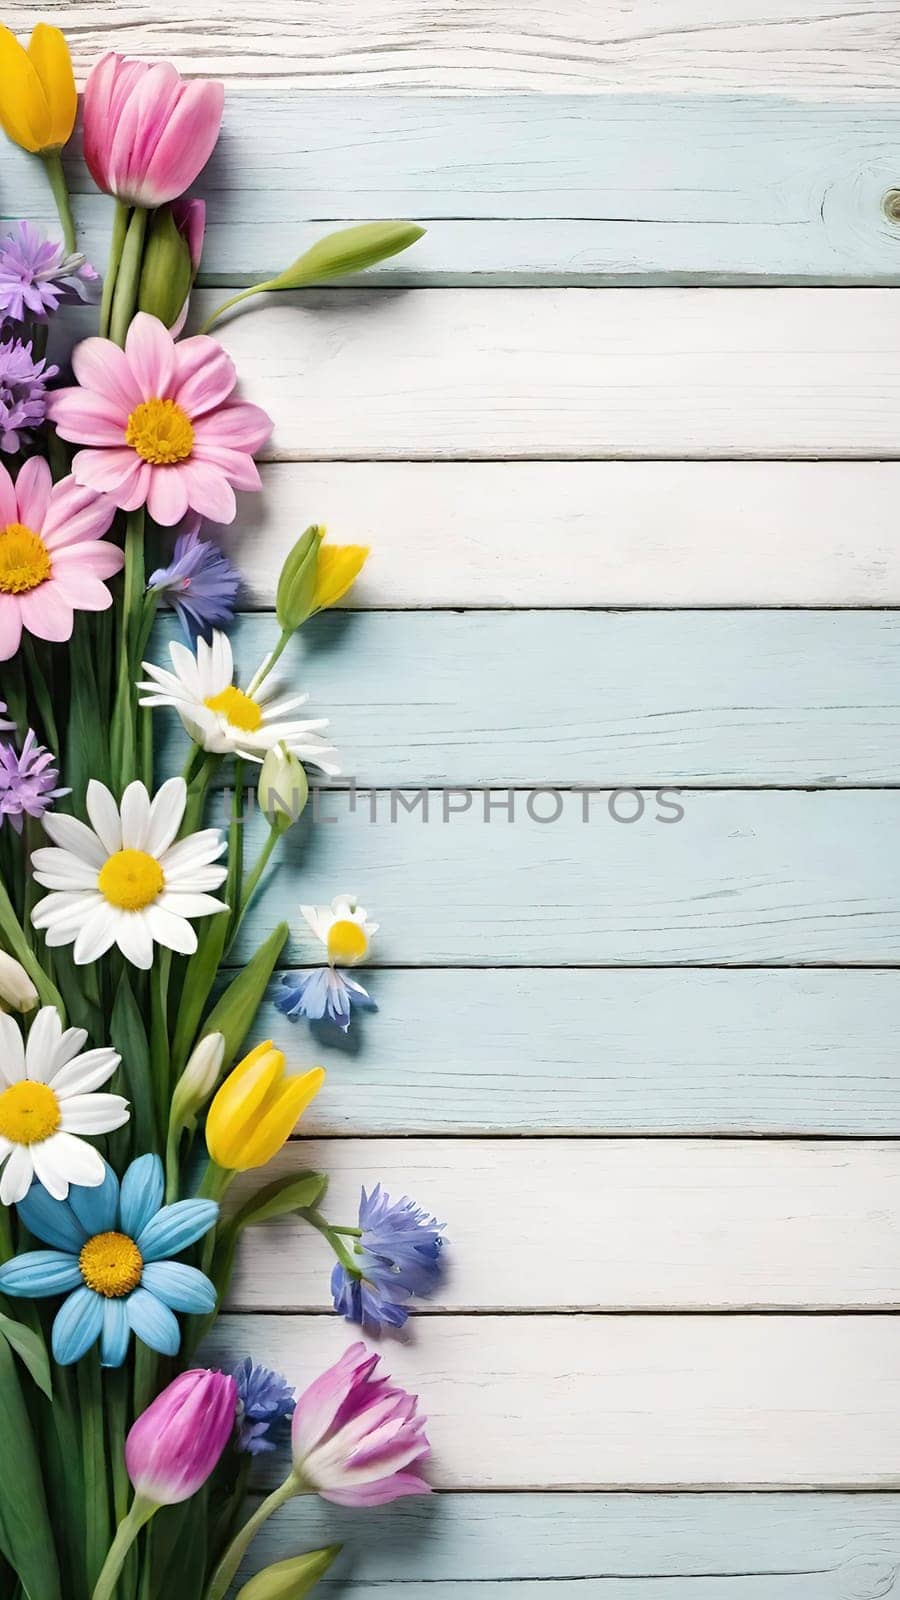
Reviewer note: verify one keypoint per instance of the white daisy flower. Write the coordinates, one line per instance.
(230, 721)
(47, 1101)
(343, 927)
(125, 881)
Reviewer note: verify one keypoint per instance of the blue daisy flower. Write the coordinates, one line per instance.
(110, 1256)
(322, 993)
(399, 1255)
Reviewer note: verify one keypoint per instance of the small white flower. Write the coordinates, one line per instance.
(343, 927)
(125, 881)
(17, 992)
(229, 721)
(47, 1100)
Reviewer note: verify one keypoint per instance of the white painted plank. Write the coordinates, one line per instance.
(813, 46)
(627, 1402)
(487, 373)
(635, 1225)
(611, 533)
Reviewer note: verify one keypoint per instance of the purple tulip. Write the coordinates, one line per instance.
(355, 1436)
(176, 1443)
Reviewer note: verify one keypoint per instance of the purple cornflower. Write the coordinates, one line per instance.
(265, 1399)
(398, 1252)
(26, 781)
(200, 582)
(36, 275)
(23, 398)
(322, 993)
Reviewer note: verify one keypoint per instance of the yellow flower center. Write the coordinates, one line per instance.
(131, 879)
(160, 432)
(24, 559)
(239, 709)
(347, 941)
(111, 1264)
(29, 1113)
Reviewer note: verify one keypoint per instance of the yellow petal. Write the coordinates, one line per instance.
(50, 58)
(24, 113)
(339, 566)
(239, 1103)
(276, 1127)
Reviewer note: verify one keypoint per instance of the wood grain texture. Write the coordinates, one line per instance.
(604, 533)
(813, 46)
(773, 877)
(742, 1547)
(590, 1052)
(627, 1225)
(628, 1402)
(530, 189)
(762, 697)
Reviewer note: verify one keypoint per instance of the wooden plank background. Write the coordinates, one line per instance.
(622, 431)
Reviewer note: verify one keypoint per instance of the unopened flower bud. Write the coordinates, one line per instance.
(17, 992)
(295, 595)
(171, 260)
(199, 1078)
(283, 788)
(291, 1579)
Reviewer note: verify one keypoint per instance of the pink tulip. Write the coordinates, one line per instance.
(147, 132)
(355, 1436)
(177, 1442)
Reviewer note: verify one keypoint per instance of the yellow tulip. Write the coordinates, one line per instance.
(339, 566)
(256, 1108)
(38, 99)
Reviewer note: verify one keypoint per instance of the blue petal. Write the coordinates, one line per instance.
(116, 1334)
(180, 1287)
(39, 1273)
(77, 1326)
(143, 1187)
(153, 1322)
(97, 1209)
(175, 1227)
(51, 1220)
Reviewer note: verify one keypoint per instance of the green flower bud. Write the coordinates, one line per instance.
(167, 271)
(348, 250)
(283, 788)
(292, 1579)
(295, 595)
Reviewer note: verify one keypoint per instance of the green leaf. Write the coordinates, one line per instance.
(279, 1199)
(26, 1538)
(233, 1014)
(31, 1351)
(291, 1579)
(129, 1036)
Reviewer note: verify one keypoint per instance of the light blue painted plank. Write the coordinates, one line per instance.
(619, 1547)
(545, 188)
(653, 1052)
(743, 877)
(755, 697)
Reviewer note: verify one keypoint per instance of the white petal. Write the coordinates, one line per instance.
(12, 1052)
(74, 836)
(86, 1072)
(166, 815)
(63, 1159)
(187, 670)
(94, 1113)
(181, 903)
(195, 878)
(18, 1172)
(171, 930)
(135, 811)
(134, 939)
(72, 1041)
(319, 918)
(97, 934)
(59, 869)
(202, 726)
(43, 1042)
(195, 851)
(104, 814)
(222, 660)
(62, 906)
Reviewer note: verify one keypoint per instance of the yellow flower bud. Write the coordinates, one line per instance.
(339, 567)
(256, 1109)
(38, 99)
(17, 992)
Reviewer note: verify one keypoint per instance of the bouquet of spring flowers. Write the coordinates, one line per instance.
(128, 1103)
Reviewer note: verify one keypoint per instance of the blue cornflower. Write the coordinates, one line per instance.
(199, 582)
(398, 1253)
(322, 993)
(23, 392)
(265, 1400)
(112, 1249)
(36, 275)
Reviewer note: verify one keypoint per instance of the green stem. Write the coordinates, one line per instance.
(125, 294)
(286, 635)
(53, 166)
(116, 244)
(240, 1544)
(132, 605)
(42, 693)
(252, 880)
(332, 1235)
(96, 1499)
(126, 1533)
(255, 288)
(215, 1181)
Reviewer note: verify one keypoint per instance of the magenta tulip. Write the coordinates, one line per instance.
(176, 1443)
(355, 1436)
(147, 132)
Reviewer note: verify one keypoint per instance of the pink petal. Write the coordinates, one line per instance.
(187, 140)
(100, 365)
(46, 614)
(86, 418)
(238, 425)
(76, 514)
(33, 492)
(167, 500)
(10, 626)
(377, 1494)
(208, 491)
(80, 589)
(119, 473)
(140, 112)
(100, 559)
(238, 468)
(151, 356)
(204, 375)
(9, 511)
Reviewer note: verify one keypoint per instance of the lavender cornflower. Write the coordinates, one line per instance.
(398, 1253)
(36, 275)
(322, 993)
(200, 582)
(23, 398)
(26, 781)
(265, 1400)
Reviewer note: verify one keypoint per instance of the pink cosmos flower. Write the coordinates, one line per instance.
(355, 1437)
(53, 558)
(160, 428)
(147, 133)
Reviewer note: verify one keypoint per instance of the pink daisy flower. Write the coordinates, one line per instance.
(53, 558)
(160, 428)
